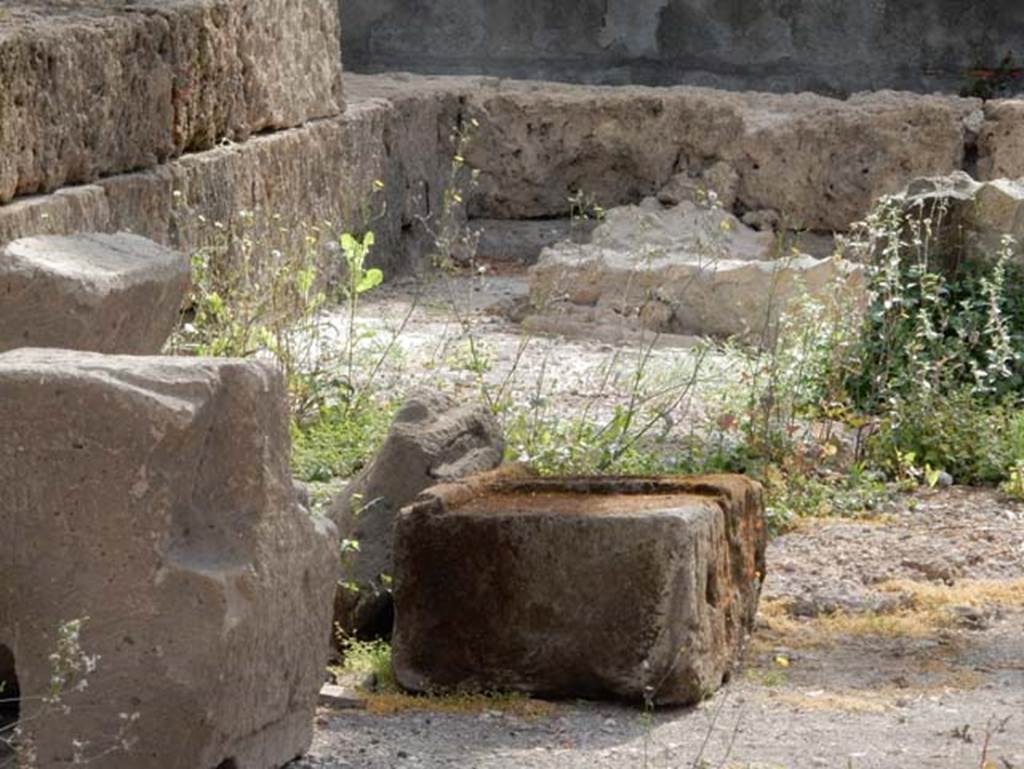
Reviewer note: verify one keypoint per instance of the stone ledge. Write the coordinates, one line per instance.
(818, 161)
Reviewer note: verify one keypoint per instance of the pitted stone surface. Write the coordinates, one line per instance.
(627, 588)
(153, 497)
(105, 293)
(89, 89)
(327, 170)
(820, 162)
(796, 160)
(1001, 140)
(981, 220)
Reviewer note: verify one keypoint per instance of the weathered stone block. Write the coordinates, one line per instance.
(628, 588)
(979, 220)
(90, 89)
(1001, 140)
(153, 497)
(433, 439)
(106, 293)
(322, 172)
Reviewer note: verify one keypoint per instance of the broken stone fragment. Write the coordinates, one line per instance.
(104, 293)
(152, 498)
(685, 270)
(623, 588)
(433, 439)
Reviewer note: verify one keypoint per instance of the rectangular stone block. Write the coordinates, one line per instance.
(641, 589)
(324, 172)
(1001, 141)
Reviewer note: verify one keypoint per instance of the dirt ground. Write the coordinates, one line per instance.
(894, 640)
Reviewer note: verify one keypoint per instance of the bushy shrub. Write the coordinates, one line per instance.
(936, 323)
(961, 433)
(939, 356)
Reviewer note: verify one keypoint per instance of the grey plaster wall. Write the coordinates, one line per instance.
(830, 46)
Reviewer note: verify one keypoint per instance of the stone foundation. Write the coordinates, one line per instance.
(801, 160)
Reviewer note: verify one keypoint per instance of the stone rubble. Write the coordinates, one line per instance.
(684, 270)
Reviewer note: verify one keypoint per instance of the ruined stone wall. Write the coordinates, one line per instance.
(147, 116)
(830, 46)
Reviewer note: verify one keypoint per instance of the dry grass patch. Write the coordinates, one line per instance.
(392, 703)
(838, 702)
(925, 614)
(907, 623)
(976, 593)
(868, 519)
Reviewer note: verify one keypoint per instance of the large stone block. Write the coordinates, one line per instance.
(153, 497)
(977, 220)
(626, 588)
(433, 439)
(90, 89)
(822, 163)
(105, 293)
(324, 172)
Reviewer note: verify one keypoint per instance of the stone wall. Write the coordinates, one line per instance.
(325, 171)
(830, 46)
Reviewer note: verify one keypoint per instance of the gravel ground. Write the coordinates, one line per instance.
(942, 690)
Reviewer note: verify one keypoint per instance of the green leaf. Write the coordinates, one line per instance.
(371, 279)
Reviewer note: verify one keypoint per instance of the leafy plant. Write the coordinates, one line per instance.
(957, 432)
(1014, 483)
(369, 658)
(250, 299)
(936, 322)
